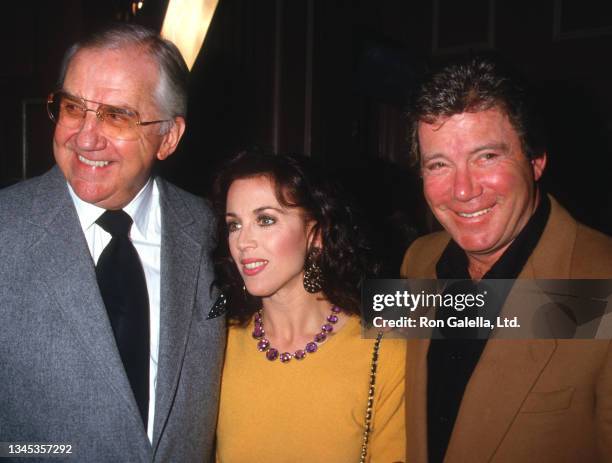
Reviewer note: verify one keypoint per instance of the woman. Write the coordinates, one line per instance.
(297, 375)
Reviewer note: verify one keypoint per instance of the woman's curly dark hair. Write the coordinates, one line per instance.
(345, 258)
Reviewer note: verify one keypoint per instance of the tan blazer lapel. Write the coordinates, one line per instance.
(416, 363)
(508, 369)
(498, 387)
(552, 256)
(416, 400)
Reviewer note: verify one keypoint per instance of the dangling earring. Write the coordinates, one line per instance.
(313, 277)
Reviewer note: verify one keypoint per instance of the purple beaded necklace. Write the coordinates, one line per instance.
(263, 344)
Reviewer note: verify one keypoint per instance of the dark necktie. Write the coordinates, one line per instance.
(123, 287)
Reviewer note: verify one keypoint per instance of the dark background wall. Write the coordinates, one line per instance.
(330, 78)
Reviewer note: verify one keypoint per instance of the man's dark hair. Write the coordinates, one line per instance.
(472, 85)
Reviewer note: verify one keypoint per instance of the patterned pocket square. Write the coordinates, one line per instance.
(218, 307)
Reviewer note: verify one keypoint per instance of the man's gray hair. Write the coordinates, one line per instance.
(171, 91)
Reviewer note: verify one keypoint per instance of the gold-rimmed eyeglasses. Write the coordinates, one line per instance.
(116, 122)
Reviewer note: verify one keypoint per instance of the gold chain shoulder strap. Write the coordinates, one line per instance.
(368, 415)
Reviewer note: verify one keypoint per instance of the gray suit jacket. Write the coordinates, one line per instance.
(62, 377)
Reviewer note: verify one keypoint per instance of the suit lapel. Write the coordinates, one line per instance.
(505, 374)
(416, 378)
(59, 252)
(552, 256)
(180, 262)
(508, 369)
(416, 400)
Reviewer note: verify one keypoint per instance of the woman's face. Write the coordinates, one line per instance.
(267, 241)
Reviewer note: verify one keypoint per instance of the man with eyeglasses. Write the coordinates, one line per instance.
(108, 346)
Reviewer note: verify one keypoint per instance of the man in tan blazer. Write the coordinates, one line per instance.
(499, 400)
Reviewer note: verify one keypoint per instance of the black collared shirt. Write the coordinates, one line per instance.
(451, 362)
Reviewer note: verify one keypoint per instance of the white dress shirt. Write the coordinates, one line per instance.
(145, 234)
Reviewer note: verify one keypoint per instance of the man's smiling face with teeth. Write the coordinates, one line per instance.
(92, 163)
(101, 170)
(477, 180)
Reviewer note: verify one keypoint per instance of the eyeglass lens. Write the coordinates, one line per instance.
(70, 112)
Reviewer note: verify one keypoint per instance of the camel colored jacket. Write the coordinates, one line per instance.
(542, 400)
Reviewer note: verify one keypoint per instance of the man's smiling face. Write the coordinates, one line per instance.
(101, 170)
(477, 180)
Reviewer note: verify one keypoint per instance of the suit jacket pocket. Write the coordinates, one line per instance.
(548, 401)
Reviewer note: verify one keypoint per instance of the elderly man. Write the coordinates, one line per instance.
(107, 343)
(481, 158)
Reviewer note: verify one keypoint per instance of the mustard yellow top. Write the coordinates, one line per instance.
(311, 410)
